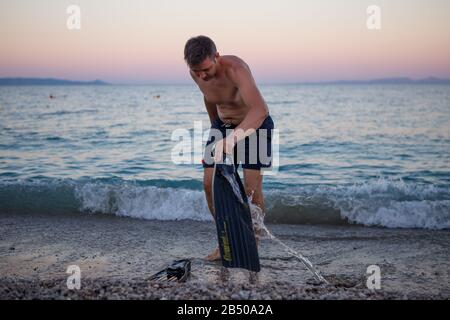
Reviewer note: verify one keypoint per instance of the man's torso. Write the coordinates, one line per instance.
(223, 92)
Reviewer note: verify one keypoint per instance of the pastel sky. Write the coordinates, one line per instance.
(142, 41)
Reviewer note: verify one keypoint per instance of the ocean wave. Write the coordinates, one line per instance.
(381, 202)
(148, 202)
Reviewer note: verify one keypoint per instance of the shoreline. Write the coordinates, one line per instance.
(117, 255)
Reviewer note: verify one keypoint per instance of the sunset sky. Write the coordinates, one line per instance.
(142, 41)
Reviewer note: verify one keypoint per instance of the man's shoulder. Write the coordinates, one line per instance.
(233, 65)
(234, 62)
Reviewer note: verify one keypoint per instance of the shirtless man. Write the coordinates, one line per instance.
(232, 101)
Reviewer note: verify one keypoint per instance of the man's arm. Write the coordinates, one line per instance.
(211, 108)
(251, 96)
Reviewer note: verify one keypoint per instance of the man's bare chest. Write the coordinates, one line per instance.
(222, 94)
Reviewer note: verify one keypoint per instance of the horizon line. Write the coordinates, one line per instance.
(378, 80)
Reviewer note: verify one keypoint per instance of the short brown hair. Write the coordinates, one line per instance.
(198, 49)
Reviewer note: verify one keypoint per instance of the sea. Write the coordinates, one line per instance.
(347, 154)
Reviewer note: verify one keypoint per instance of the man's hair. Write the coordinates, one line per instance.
(198, 49)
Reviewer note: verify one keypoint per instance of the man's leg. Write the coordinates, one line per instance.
(207, 185)
(253, 180)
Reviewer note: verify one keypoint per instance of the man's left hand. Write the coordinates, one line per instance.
(223, 146)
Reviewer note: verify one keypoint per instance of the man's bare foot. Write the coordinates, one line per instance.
(224, 274)
(213, 256)
(253, 277)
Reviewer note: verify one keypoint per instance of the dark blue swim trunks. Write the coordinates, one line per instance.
(254, 152)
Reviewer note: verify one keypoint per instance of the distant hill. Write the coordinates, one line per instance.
(45, 81)
(400, 80)
(53, 81)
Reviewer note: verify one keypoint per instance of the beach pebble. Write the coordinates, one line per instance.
(244, 294)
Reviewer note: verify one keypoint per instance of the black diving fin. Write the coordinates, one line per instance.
(178, 270)
(235, 232)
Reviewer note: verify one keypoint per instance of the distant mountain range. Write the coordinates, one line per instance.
(45, 81)
(52, 81)
(401, 80)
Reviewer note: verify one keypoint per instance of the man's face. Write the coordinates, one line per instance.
(205, 70)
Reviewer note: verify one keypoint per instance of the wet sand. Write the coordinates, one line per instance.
(117, 255)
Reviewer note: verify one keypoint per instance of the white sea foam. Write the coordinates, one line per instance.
(148, 202)
(394, 204)
(382, 202)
